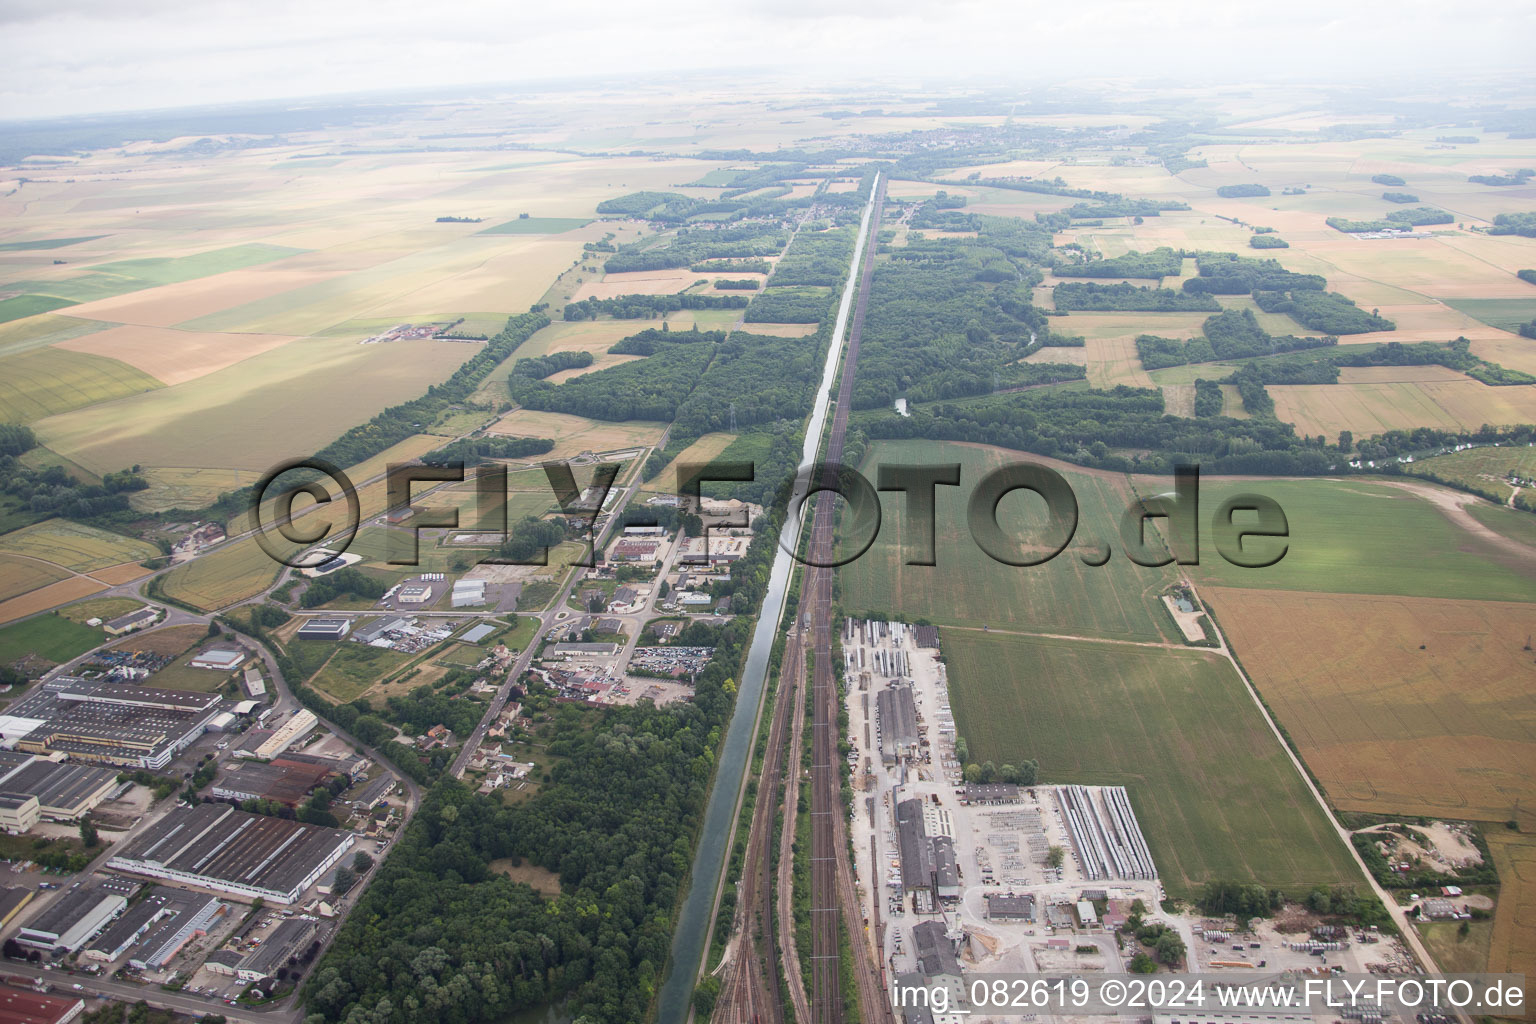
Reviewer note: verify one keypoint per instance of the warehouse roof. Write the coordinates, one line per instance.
(59, 785)
(218, 842)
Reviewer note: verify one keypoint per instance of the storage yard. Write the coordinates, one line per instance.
(1003, 876)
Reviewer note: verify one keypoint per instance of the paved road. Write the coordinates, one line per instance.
(154, 995)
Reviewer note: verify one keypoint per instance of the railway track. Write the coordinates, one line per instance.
(751, 991)
(833, 897)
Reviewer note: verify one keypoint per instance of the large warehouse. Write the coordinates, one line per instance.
(221, 848)
(90, 720)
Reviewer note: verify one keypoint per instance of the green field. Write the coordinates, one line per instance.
(38, 331)
(100, 608)
(1512, 523)
(1482, 468)
(355, 668)
(1212, 787)
(22, 306)
(47, 243)
(75, 545)
(1349, 536)
(1505, 314)
(41, 382)
(234, 572)
(105, 280)
(47, 636)
(537, 226)
(967, 587)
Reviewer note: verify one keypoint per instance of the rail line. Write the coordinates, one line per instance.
(833, 899)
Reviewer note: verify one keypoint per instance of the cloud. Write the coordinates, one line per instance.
(77, 56)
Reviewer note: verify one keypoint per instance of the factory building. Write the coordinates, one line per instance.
(323, 629)
(218, 847)
(73, 919)
(286, 735)
(64, 792)
(897, 718)
(22, 1006)
(287, 940)
(156, 928)
(92, 720)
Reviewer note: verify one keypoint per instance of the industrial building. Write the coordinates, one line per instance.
(19, 813)
(1001, 907)
(22, 1006)
(286, 735)
(1105, 833)
(73, 919)
(414, 593)
(156, 928)
(11, 902)
(935, 951)
(478, 633)
(218, 847)
(374, 792)
(896, 713)
(131, 621)
(377, 628)
(64, 792)
(323, 629)
(287, 784)
(287, 940)
(223, 658)
(990, 793)
(93, 720)
(467, 593)
(252, 684)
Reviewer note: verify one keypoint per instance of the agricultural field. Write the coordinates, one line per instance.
(1212, 787)
(171, 356)
(24, 575)
(233, 572)
(1361, 685)
(576, 434)
(253, 414)
(43, 382)
(51, 637)
(1486, 469)
(537, 226)
(75, 546)
(967, 587)
(1363, 537)
(1512, 947)
(101, 608)
(50, 596)
(1505, 314)
(708, 448)
(354, 669)
(1372, 408)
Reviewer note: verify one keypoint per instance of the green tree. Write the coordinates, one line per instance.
(1141, 963)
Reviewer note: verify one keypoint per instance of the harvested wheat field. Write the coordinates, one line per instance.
(704, 449)
(576, 434)
(1387, 725)
(114, 575)
(172, 304)
(51, 596)
(173, 356)
(75, 546)
(642, 282)
(1513, 946)
(1372, 408)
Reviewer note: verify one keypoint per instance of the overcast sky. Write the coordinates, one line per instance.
(84, 56)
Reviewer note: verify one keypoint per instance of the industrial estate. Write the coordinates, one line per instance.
(632, 704)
